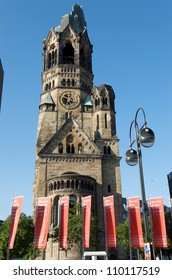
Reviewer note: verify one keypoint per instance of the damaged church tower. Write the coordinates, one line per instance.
(77, 146)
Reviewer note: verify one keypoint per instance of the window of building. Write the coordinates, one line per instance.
(60, 148)
(105, 120)
(109, 150)
(68, 54)
(104, 100)
(97, 121)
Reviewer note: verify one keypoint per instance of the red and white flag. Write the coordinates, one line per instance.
(15, 216)
(158, 222)
(86, 217)
(43, 211)
(64, 216)
(109, 216)
(136, 233)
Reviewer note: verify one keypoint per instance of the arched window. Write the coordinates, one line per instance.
(53, 60)
(68, 149)
(105, 120)
(55, 185)
(72, 149)
(97, 121)
(49, 60)
(104, 100)
(68, 54)
(109, 188)
(60, 148)
(73, 82)
(55, 57)
(62, 184)
(46, 87)
(109, 150)
(104, 148)
(72, 184)
(58, 185)
(68, 184)
(63, 82)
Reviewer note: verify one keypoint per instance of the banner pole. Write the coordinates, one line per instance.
(82, 228)
(59, 202)
(129, 230)
(34, 229)
(8, 250)
(106, 247)
(152, 247)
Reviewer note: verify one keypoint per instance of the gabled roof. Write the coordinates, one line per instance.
(51, 147)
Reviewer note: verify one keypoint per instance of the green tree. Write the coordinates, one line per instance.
(23, 245)
(123, 236)
(75, 228)
(168, 221)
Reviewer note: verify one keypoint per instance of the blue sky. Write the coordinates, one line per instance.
(132, 43)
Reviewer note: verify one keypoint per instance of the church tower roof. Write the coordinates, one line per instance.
(47, 99)
(75, 19)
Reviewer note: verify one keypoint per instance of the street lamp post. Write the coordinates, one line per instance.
(143, 136)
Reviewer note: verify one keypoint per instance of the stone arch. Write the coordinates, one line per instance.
(68, 54)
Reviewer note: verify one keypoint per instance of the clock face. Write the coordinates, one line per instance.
(69, 99)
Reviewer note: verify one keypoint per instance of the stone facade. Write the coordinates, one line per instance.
(1, 81)
(77, 146)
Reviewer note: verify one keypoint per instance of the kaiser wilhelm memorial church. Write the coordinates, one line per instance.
(77, 151)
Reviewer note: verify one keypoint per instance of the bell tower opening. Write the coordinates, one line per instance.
(68, 54)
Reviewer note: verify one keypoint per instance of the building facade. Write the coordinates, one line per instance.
(1, 81)
(77, 147)
(169, 178)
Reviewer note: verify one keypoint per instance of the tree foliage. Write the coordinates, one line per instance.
(75, 228)
(123, 235)
(23, 246)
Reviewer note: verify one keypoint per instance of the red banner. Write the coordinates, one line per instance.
(110, 227)
(64, 216)
(43, 211)
(136, 233)
(158, 222)
(86, 214)
(15, 216)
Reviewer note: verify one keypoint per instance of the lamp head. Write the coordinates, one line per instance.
(146, 137)
(131, 157)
